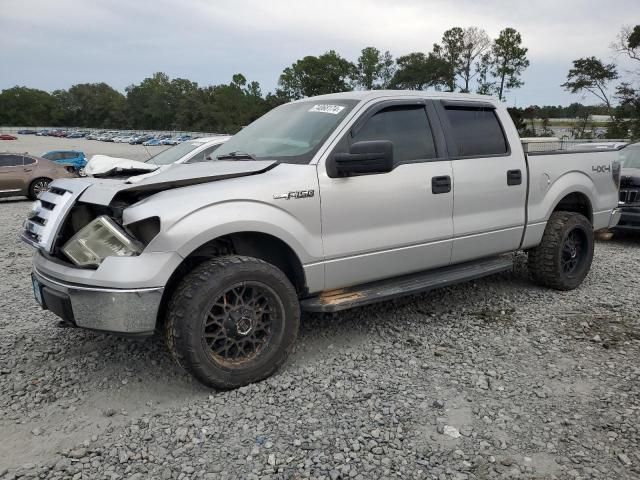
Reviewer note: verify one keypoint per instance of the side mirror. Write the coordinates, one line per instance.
(369, 157)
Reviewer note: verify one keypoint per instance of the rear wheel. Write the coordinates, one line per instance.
(38, 186)
(232, 321)
(563, 258)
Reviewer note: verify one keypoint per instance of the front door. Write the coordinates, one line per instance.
(378, 226)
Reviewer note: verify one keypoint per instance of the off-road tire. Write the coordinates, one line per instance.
(191, 304)
(33, 187)
(545, 262)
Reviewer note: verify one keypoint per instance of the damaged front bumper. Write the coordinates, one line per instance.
(123, 295)
(129, 311)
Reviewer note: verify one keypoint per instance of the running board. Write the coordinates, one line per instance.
(359, 295)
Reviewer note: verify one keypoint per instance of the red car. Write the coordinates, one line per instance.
(6, 136)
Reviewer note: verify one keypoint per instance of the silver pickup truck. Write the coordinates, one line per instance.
(322, 204)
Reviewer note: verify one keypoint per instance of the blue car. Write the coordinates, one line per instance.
(152, 142)
(72, 158)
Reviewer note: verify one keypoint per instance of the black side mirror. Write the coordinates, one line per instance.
(375, 156)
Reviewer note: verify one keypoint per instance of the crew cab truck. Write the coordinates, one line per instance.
(322, 204)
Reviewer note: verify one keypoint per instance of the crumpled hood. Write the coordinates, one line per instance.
(104, 165)
(102, 191)
(630, 177)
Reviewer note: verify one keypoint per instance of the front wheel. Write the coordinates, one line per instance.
(564, 256)
(232, 321)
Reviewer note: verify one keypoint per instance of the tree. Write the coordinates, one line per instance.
(328, 73)
(26, 107)
(417, 71)
(450, 55)
(508, 60)
(94, 105)
(150, 104)
(475, 43)
(628, 42)
(374, 69)
(592, 75)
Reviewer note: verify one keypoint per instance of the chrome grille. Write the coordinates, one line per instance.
(629, 195)
(49, 212)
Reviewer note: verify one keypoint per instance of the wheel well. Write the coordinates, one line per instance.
(252, 244)
(576, 202)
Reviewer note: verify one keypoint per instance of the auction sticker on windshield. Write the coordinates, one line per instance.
(332, 109)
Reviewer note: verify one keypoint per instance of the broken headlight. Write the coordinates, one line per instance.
(100, 239)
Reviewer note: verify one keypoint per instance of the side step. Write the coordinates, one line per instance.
(359, 295)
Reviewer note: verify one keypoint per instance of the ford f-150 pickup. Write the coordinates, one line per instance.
(322, 204)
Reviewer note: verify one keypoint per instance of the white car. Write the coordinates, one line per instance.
(190, 151)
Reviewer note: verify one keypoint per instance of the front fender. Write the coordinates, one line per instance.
(224, 218)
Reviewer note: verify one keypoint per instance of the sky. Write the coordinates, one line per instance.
(55, 44)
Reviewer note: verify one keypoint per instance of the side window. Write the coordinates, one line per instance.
(70, 155)
(29, 160)
(406, 126)
(477, 132)
(10, 160)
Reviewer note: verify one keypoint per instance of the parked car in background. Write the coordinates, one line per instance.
(69, 158)
(6, 136)
(26, 132)
(42, 133)
(192, 151)
(76, 134)
(169, 141)
(152, 142)
(28, 175)
(140, 139)
(629, 201)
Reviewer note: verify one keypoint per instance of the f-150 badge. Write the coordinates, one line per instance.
(297, 194)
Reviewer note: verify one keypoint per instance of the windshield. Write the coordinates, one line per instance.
(630, 156)
(291, 133)
(173, 154)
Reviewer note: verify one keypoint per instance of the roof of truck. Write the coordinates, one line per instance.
(363, 95)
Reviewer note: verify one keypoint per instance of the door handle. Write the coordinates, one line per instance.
(514, 177)
(28, 169)
(441, 184)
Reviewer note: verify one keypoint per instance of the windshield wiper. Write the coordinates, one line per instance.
(236, 156)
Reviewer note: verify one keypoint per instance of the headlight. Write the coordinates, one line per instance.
(100, 239)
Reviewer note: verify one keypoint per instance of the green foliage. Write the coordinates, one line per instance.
(417, 71)
(508, 60)
(374, 69)
(449, 53)
(25, 106)
(328, 73)
(592, 75)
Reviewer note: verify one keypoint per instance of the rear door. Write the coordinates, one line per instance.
(11, 174)
(490, 183)
(379, 226)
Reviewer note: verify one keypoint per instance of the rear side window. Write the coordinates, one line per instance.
(406, 126)
(29, 160)
(10, 160)
(477, 132)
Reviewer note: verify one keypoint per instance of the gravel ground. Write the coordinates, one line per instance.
(38, 145)
(492, 379)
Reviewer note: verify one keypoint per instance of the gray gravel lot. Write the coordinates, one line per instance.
(493, 379)
(38, 145)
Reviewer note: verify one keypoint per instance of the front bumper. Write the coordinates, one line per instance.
(130, 311)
